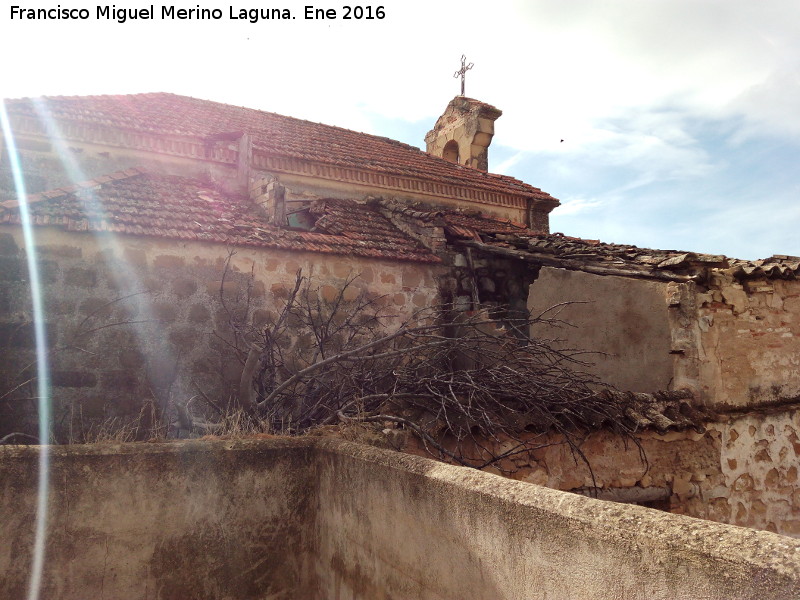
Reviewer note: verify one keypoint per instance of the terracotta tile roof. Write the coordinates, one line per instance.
(514, 240)
(139, 203)
(505, 237)
(272, 133)
(662, 411)
(471, 223)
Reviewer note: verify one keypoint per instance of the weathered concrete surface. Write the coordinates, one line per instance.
(624, 318)
(397, 526)
(200, 520)
(326, 519)
(408, 527)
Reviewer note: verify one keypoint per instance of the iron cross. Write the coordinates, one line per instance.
(463, 71)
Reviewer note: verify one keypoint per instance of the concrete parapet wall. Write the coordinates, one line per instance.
(395, 526)
(182, 520)
(325, 519)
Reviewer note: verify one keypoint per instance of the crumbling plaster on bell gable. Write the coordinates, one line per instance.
(470, 124)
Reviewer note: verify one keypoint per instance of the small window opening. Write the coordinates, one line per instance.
(450, 152)
(301, 219)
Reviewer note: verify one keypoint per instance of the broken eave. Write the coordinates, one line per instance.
(620, 269)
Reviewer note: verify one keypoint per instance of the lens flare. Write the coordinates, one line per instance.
(42, 367)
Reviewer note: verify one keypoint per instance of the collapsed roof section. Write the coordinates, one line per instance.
(507, 238)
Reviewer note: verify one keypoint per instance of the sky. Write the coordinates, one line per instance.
(680, 119)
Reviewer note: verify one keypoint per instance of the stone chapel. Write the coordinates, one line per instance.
(156, 215)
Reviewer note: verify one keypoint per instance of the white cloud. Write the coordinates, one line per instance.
(574, 206)
(504, 167)
(633, 87)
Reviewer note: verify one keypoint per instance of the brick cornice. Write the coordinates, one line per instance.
(198, 149)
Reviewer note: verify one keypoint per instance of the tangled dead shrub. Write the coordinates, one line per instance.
(474, 387)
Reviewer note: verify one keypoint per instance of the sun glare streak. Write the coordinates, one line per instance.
(42, 367)
(126, 279)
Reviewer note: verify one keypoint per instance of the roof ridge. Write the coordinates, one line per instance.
(60, 192)
(277, 135)
(218, 103)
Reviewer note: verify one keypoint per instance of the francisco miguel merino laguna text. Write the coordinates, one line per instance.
(253, 15)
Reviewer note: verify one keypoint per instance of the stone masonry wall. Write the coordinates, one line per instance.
(749, 342)
(760, 457)
(136, 322)
(742, 470)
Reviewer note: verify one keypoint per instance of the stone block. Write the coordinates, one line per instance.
(60, 251)
(165, 312)
(135, 257)
(185, 338)
(329, 293)
(153, 284)
(412, 277)
(199, 314)
(342, 269)
(97, 307)
(367, 275)
(420, 300)
(351, 293)
(123, 380)
(279, 290)
(743, 483)
(259, 290)
(124, 312)
(762, 456)
(48, 271)
(261, 317)
(772, 479)
(60, 306)
(17, 335)
(290, 267)
(131, 358)
(169, 261)
(737, 298)
(73, 379)
(184, 287)
(11, 268)
(79, 277)
(229, 288)
(8, 246)
(92, 407)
